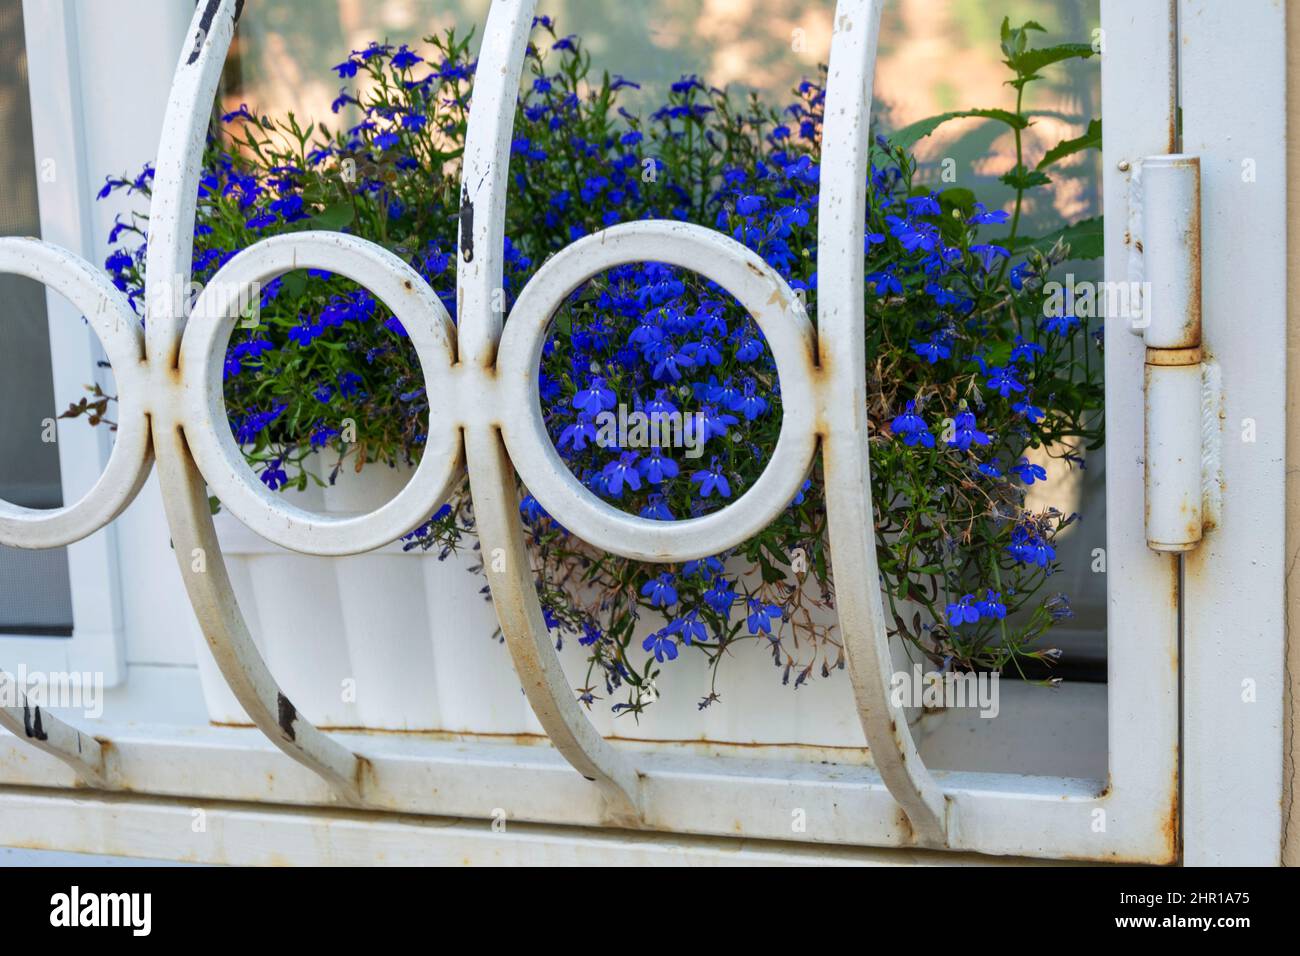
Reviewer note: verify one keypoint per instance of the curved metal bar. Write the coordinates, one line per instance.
(759, 289)
(82, 753)
(492, 480)
(841, 231)
(203, 351)
(184, 492)
(108, 313)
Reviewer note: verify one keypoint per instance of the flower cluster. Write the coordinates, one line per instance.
(967, 375)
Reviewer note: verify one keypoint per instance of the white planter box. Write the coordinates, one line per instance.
(395, 640)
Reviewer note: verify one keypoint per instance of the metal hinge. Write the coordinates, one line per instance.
(1181, 384)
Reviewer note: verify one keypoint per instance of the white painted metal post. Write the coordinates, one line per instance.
(1233, 81)
(841, 227)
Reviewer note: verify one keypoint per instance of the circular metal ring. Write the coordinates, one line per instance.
(118, 328)
(207, 430)
(762, 292)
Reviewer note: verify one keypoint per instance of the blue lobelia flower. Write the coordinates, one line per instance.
(933, 350)
(273, 475)
(720, 596)
(750, 404)
(988, 255)
(963, 611)
(712, 479)
(620, 472)
(1031, 412)
(761, 615)
(656, 509)
(656, 467)
(1029, 473)
(912, 427)
(660, 591)
(579, 433)
(1002, 379)
(1060, 324)
(991, 606)
(595, 398)
(663, 645)
(984, 216)
(965, 433)
(690, 627)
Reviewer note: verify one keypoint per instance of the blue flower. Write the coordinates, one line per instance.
(750, 348)
(1029, 473)
(579, 433)
(620, 472)
(751, 404)
(531, 510)
(656, 509)
(663, 645)
(1026, 351)
(761, 615)
(991, 606)
(1027, 547)
(657, 468)
(595, 398)
(701, 566)
(690, 627)
(716, 422)
(404, 59)
(273, 475)
(712, 479)
(1031, 412)
(933, 350)
(984, 216)
(660, 591)
(912, 427)
(965, 433)
(721, 596)
(1002, 379)
(963, 611)
(1060, 324)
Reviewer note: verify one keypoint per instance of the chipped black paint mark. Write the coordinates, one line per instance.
(466, 228)
(32, 723)
(287, 716)
(205, 26)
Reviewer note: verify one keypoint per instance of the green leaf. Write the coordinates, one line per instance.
(1084, 238)
(1029, 62)
(1021, 178)
(909, 135)
(294, 284)
(335, 216)
(1068, 147)
(958, 197)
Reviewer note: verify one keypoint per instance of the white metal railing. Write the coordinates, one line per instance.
(482, 375)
